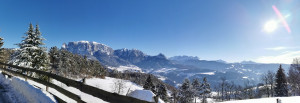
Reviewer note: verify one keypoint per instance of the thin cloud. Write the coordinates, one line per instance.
(277, 48)
(286, 58)
(280, 48)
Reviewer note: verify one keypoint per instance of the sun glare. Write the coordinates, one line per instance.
(270, 26)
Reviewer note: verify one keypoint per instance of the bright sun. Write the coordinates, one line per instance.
(270, 26)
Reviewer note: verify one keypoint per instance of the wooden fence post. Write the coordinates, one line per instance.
(26, 74)
(48, 80)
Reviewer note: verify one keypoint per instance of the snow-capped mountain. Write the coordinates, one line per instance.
(133, 56)
(116, 58)
(87, 48)
(184, 58)
(174, 69)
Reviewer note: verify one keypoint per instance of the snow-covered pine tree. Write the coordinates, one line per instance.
(40, 56)
(196, 86)
(24, 56)
(205, 90)
(31, 54)
(281, 87)
(162, 92)
(149, 84)
(185, 92)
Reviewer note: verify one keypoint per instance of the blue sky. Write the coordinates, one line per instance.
(232, 30)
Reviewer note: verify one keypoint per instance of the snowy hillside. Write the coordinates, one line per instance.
(174, 69)
(19, 91)
(295, 99)
(128, 68)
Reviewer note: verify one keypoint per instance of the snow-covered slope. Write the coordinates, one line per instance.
(128, 68)
(295, 99)
(174, 69)
(146, 95)
(20, 91)
(107, 84)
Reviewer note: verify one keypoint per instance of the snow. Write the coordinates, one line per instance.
(146, 95)
(245, 77)
(35, 95)
(130, 68)
(294, 99)
(165, 70)
(30, 93)
(20, 91)
(208, 73)
(108, 84)
(162, 78)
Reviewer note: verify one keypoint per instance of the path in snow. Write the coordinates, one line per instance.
(2, 95)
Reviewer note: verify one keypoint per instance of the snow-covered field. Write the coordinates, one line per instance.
(28, 91)
(130, 68)
(19, 91)
(104, 84)
(295, 99)
(109, 83)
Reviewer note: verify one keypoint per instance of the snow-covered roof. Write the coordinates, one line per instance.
(146, 95)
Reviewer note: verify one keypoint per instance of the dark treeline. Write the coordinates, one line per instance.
(67, 64)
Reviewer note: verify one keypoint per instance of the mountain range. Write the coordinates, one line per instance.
(174, 69)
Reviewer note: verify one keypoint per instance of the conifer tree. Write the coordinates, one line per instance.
(24, 57)
(54, 58)
(31, 54)
(149, 85)
(40, 56)
(196, 86)
(281, 88)
(205, 90)
(162, 92)
(185, 92)
(1, 50)
(2, 58)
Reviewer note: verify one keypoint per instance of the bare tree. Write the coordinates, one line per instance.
(294, 76)
(119, 85)
(271, 81)
(264, 78)
(223, 85)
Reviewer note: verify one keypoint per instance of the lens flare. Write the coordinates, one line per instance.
(282, 19)
(270, 26)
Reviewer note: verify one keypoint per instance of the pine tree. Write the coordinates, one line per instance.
(281, 88)
(196, 86)
(24, 57)
(40, 56)
(162, 92)
(205, 87)
(31, 54)
(54, 58)
(64, 63)
(2, 58)
(1, 50)
(185, 92)
(149, 85)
